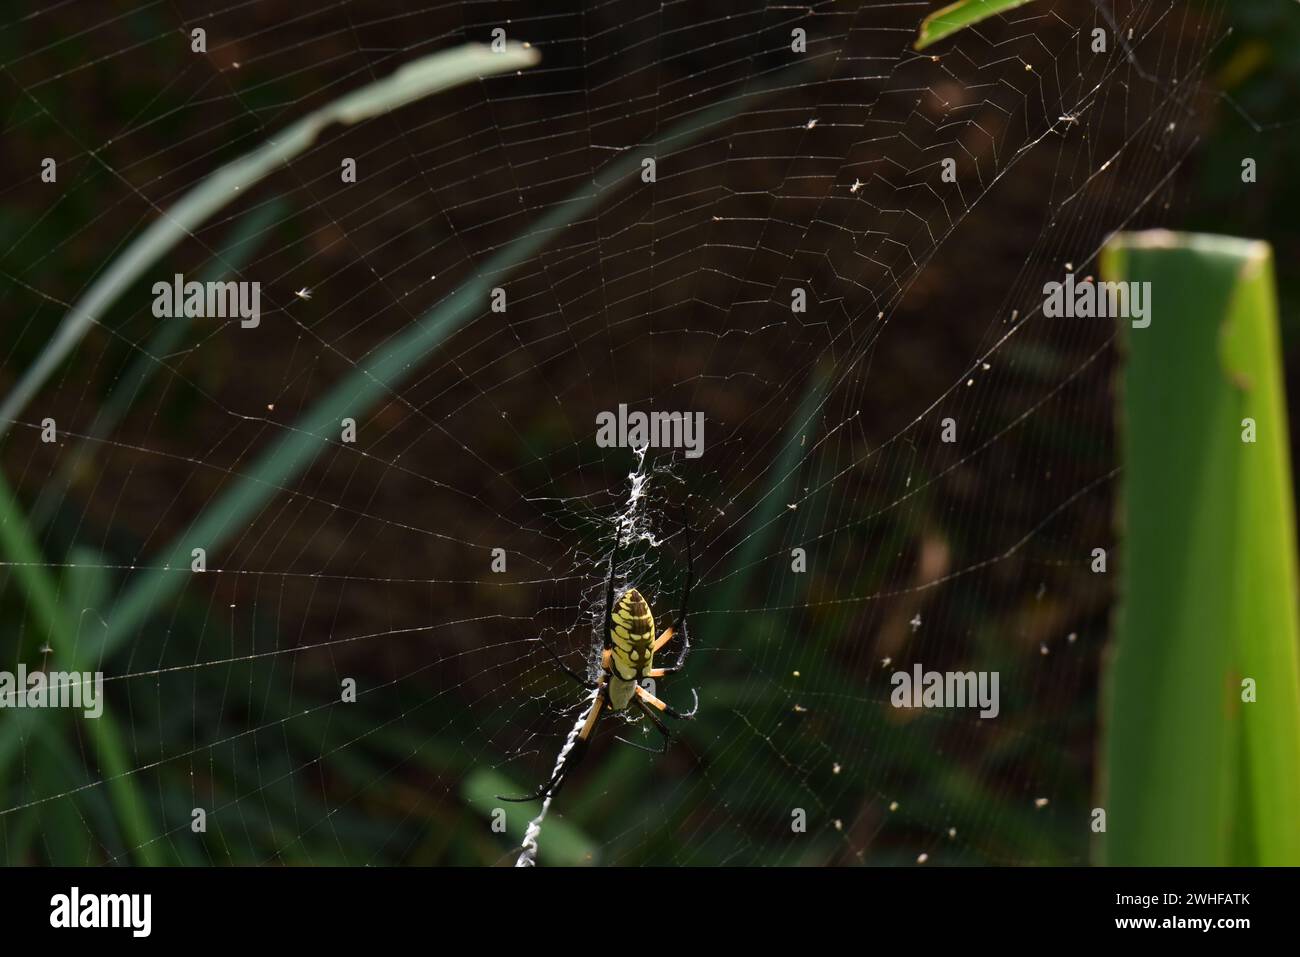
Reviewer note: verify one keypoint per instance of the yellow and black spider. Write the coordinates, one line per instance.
(626, 661)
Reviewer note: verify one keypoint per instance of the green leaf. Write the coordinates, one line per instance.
(226, 262)
(419, 78)
(376, 375)
(565, 844)
(957, 16)
(51, 610)
(23, 560)
(1194, 774)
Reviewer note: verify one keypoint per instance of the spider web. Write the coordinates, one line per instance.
(823, 428)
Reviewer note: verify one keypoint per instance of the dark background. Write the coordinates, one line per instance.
(673, 296)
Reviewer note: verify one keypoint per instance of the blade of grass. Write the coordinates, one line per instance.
(778, 492)
(43, 599)
(958, 16)
(373, 377)
(625, 772)
(25, 562)
(410, 82)
(68, 774)
(1194, 775)
(565, 845)
(377, 374)
(227, 261)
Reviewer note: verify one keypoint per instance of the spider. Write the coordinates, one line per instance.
(627, 659)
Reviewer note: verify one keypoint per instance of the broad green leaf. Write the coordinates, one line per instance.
(1195, 774)
(957, 16)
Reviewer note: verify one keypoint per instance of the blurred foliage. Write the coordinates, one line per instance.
(1199, 770)
(296, 780)
(958, 16)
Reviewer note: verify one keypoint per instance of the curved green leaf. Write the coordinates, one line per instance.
(957, 16)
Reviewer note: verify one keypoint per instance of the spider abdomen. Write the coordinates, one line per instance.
(631, 642)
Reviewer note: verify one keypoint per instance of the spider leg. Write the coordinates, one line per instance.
(549, 789)
(663, 639)
(659, 725)
(641, 747)
(576, 753)
(589, 685)
(686, 646)
(648, 698)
